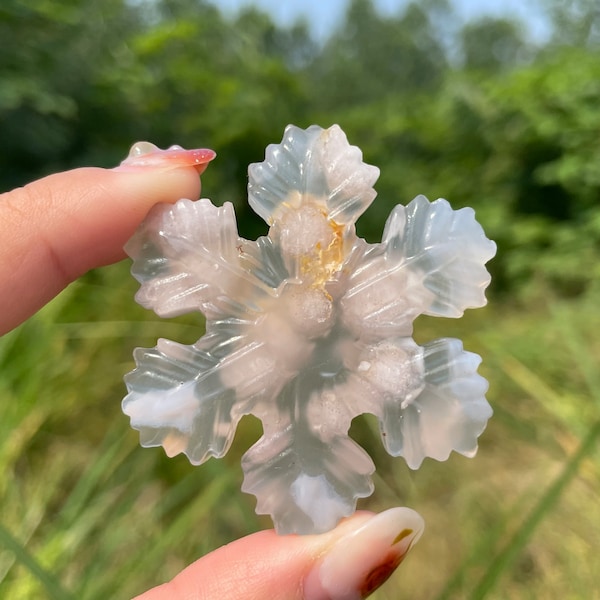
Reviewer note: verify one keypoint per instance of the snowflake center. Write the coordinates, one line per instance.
(311, 242)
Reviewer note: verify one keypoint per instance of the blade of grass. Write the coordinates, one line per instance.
(511, 551)
(166, 538)
(47, 581)
(585, 359)
(110, 453)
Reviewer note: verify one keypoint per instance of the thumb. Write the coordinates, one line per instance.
(347, 563)
(55, 229)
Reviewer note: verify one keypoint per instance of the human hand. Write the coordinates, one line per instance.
(59, 227)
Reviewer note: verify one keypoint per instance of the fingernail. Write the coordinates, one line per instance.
(361, 561)
(145, 154)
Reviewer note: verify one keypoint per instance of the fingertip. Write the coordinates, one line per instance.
(350, 561)
(364, 557)
(136, 191)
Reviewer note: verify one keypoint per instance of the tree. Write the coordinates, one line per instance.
(50, 59)
(371, 56)
(493, 45)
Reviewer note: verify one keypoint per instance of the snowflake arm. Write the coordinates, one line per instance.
(322, 472)
(447, 247)
(315, 162)
(177, 400)
(187, 257)
(433, 399)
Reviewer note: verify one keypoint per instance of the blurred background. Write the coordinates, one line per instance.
(484, 105)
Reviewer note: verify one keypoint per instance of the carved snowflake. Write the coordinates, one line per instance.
(307, 328)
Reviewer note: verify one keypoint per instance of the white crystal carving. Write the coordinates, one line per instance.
(308, 327)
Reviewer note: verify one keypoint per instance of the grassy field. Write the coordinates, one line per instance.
(86, 513)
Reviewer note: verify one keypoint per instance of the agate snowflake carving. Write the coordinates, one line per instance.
(307, 328)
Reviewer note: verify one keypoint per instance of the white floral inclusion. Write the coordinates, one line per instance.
(308, 327)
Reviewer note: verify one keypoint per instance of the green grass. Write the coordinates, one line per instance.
(86, 513)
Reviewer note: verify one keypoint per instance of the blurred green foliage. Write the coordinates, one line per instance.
(477, 113)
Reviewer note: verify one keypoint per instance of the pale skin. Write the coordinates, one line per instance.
(56, 229)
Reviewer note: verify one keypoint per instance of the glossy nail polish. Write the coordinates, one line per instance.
(361, 561)
(146, 154)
